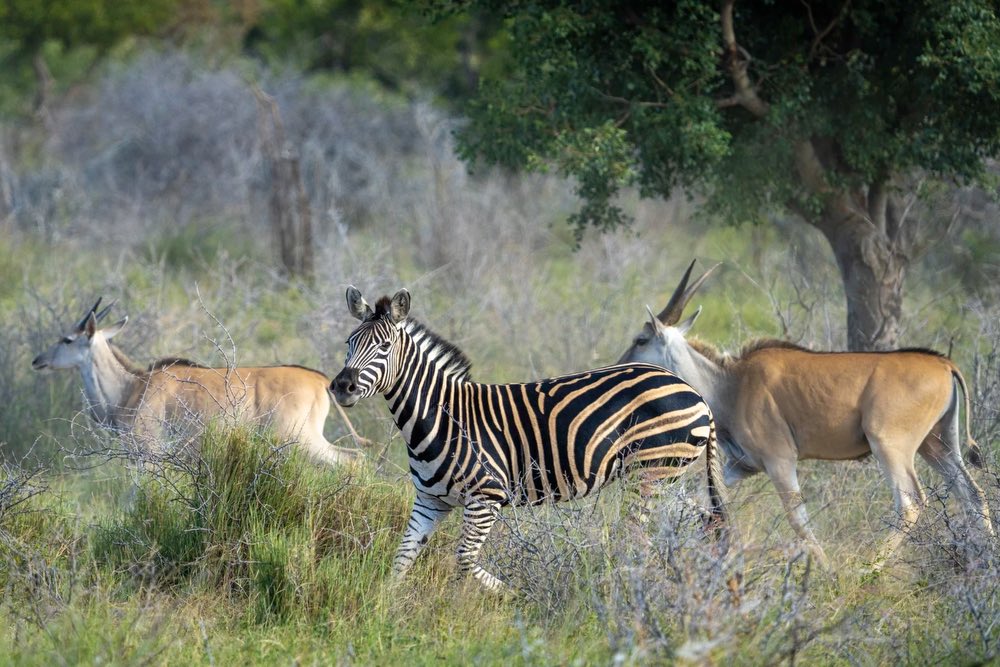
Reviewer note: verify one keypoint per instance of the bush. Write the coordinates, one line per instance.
(252, 519)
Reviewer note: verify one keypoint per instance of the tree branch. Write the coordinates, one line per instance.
(900, 228)
(839, 204)
(820, 35)
(727, 102)
(630, 103)
(738, 60)
(878, 200)
(811, 172)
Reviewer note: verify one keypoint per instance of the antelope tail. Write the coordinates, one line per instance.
(973, 454)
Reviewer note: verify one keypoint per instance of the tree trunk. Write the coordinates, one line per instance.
(43, 88)
(873, 257)
(291, 217)
(871, 237)
(872, 267)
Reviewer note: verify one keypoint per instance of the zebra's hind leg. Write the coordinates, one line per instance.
(477, 521)
(425, 516)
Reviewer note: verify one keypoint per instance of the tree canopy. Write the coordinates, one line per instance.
(820, 108)
(72, 23)
(26, 26)
(393, 42)
(645, 95)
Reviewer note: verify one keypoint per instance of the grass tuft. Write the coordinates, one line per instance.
(252, 518)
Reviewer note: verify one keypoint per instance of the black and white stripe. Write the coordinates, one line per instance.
(483, 446)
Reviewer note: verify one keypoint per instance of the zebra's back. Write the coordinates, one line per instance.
(565, 437)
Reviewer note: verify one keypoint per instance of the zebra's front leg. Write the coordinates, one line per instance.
(477, 521)
(425, 516)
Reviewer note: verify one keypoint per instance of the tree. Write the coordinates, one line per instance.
(829, 110)
(30, 24)
(390, 41)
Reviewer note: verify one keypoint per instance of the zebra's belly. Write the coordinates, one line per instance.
(672, 457)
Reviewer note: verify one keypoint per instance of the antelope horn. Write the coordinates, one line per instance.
(675, 307)
(672, 313)
(101, 315)
(83, 322)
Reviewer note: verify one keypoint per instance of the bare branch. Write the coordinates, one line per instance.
(821, 35)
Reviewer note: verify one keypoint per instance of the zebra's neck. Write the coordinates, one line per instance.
(426, 401)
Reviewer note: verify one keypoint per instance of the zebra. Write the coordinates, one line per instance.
(485, 446)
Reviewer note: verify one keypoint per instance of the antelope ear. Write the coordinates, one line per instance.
(115, 328)
(686, 325)
(90, 325)
(357, 305)
(399, 307)
(655, 323)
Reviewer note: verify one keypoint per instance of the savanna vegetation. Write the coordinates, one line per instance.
(151, 178)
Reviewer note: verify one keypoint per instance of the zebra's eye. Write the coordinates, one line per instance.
(385, 346)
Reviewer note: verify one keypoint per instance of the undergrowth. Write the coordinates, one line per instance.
(247, 552)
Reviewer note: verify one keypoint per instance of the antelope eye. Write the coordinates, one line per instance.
(641, 340)
(67, 340)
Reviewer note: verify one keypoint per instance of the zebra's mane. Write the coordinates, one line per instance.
(447, 356)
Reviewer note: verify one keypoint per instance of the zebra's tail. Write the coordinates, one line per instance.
(718, 519)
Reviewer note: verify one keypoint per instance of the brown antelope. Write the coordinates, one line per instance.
(177, 397)
(777, 403)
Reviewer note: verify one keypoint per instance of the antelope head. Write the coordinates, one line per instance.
(662, 339)
(73, 350)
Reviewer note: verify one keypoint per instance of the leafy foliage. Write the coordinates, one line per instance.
(72, 23)
(43, 42)
(392, 42)
(883, 87)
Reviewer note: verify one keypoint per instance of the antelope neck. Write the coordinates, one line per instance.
(106, 383)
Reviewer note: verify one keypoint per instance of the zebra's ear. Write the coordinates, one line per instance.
(357, 305)
(399, 307)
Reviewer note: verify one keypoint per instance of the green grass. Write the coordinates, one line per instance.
(278, 552)
(255, 556)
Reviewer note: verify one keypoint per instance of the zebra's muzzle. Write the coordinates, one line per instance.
(345, 387)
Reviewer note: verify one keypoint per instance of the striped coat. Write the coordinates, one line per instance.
(483, 446)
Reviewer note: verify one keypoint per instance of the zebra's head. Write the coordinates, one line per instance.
(372, 362)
